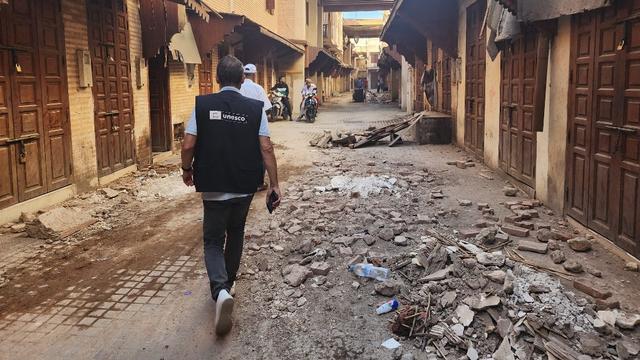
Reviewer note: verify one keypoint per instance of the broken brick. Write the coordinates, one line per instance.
(320, 268)
(515, 230)
(590, 290)
(469, 233)
(536, 247)
(525, 224)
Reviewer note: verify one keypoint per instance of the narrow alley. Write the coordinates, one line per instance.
(459, 179)
(132, 285)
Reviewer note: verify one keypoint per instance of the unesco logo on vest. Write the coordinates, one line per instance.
(226, 116)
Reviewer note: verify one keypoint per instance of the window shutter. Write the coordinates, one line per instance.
(271, 6)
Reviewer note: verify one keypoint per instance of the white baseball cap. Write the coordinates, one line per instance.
(250, 69)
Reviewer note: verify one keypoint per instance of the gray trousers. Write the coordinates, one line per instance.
(223, 232)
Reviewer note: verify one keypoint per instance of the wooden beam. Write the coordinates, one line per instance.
(542, 64)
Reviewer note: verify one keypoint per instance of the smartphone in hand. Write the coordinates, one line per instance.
(273, 197)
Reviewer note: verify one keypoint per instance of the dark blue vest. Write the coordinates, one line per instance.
(227, 154)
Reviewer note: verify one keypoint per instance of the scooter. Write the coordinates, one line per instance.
(278, 108)
(310, 109)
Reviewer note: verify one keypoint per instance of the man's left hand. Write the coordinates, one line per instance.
(187, 177)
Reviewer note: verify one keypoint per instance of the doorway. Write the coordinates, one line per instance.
(160, 113)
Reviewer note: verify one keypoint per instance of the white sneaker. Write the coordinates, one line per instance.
(224, 313)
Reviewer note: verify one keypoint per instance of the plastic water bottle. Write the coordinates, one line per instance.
(389, 306)
(370, 271)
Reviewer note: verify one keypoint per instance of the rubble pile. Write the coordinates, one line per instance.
(91, 210)
(370, 136)
(379, 98)
(466, 293)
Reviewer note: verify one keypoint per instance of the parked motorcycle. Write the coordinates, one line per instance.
(310, 109)
(278, 108)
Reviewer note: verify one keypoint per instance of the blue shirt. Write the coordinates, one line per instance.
(192, 128)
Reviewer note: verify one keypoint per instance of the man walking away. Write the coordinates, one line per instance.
(252, 90)
(225, 139)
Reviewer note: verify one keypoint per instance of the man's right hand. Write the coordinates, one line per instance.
(187, 177)
(275, 189)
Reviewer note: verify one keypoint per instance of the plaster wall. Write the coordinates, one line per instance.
(552, 141)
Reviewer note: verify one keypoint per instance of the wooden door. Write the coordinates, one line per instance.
(109, 44)
(475, 78)
(35, 145)
(205, 75)
(603, 176)
(517, 151)
(160, 113)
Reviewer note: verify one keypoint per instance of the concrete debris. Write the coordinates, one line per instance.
(400, 241)
(491, 259)
(628, 321)
(510, 191)
(504, 351)
(295, 275)
(579, 244)
(465, 314)
(573, 266)
(627, 349)
(487, 236)
(320, 268)
(472, 353)
(497, 276)
(59, 223)
(592, 344)
(508, 285)
(388, 287)
(632, 266)
(558, 256)
(608, 316)
(364, 186)
(18, 228)
(345, 240)
(464, 202)
(386, 234)
(448, 298)
(27, 217)
(486, 302)
(437, 276)
(109, 193)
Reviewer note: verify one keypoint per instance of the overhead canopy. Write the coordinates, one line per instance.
(210, 34)
(259, 40)
(199, 8)
(159, 20)
(324, 62)
(356, 5)
(362, 28)
(537, 10)
(413, 20)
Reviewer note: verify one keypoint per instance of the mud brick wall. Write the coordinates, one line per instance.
(83, 139)
(140, 95)
(182, 96)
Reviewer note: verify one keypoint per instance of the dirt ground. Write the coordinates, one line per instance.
(133, 285)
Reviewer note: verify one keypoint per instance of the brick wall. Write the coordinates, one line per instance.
(140, 95)
(256, 10)
(83, 140)
(182, 96)
(215, 59)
